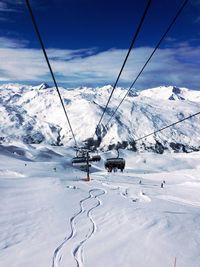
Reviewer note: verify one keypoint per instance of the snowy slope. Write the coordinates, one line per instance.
(50, 217)
(34, 115)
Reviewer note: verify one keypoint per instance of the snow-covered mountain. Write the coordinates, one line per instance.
(33, 114)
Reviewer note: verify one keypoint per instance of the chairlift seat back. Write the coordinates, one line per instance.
(79, 161)
(95, 158)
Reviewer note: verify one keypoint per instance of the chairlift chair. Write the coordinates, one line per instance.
(82, 156)
(80, 159)
(115, 163)
(96, 157)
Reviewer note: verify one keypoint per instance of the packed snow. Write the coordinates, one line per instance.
(33, 114)
(50, 216)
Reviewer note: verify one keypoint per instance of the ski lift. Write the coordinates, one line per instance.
(115, 163)
(96, 157)
(80, 159)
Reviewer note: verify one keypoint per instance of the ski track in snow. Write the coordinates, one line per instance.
(73, 236)
(123, 191)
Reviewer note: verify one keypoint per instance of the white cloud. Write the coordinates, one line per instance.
(178, 66)
(8, 6)
(12, 43)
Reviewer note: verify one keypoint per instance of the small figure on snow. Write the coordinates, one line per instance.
(161, 185)
(140, 182)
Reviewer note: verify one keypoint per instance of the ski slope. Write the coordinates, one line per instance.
(49, 216)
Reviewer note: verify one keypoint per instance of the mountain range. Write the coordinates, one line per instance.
(33, 114)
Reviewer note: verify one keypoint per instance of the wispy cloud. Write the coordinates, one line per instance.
(12, 43)
(9, 6)
(175, 65)
(170, 39)
(4, 7)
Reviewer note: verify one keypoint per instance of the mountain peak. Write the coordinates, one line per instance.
(43, 86)
(171, 93)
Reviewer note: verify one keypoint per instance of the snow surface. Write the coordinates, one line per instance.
(49, 216)
(33, 114)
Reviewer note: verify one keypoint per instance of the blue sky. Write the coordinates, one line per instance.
(87, 41)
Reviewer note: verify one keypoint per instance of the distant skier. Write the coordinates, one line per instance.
(162, 185)
(140, 182)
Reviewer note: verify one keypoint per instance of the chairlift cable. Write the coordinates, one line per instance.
(49, 66)
(157, 46)
(125, 60)
(172, 124)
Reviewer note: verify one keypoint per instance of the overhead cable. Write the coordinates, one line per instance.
(157, 46)
(125, 60)
(49, 66)
(170, 125)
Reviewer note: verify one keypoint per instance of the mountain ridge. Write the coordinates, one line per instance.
(33, 114)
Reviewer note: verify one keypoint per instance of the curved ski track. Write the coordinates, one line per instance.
(77, 252)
